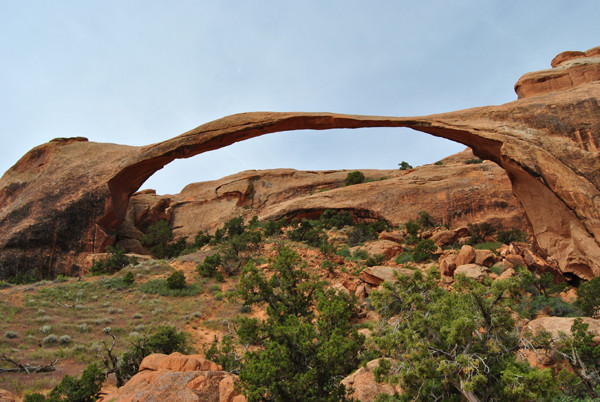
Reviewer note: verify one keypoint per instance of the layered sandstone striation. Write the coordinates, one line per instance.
(69, 197)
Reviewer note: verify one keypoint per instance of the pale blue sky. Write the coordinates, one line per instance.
(137, 72)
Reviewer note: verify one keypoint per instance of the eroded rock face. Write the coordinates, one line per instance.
(178, 377)
(454, 193)
(69, 197)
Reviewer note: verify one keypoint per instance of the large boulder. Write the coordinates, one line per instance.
(178, 377)
(562, 325)
(362, 385)
(378, 274)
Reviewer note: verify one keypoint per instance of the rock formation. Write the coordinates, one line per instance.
(453, 192)
(70, 196)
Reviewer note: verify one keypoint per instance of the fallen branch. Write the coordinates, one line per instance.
(27, 368)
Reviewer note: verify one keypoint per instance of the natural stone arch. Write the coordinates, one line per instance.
(548, 144)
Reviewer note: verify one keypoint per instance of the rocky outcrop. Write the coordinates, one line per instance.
(178, 377)
(69, 197)
(361, 384)
(453, 192)
(569, 70)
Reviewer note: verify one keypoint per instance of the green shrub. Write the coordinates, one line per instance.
(404, 165)
(365, 231)
(376, 259)
(588, 297)
(115, 261)
(50, 340)
(23, 278)
(439, 163)
(336, 219)
(425, 220)
(159, 241)
(553, 306)
(308, 233)
(424, 250)
(65, 340)
(85, 389)
(412, 227)
(160, 287)
(479, 231)
(511, 236)
(274, 228)
(11, 334)
(128, 279)
(355, 177)
(360, 254)
(209, 267)
(202, 239)
(176, 280)
(473, 160)
(404, 258)
(166, 339)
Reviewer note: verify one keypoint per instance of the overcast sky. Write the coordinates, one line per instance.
(137, 72)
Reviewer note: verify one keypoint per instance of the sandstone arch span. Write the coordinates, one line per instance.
(67, 197)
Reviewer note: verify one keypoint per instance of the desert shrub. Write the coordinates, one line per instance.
(554, 306)
(404, 165)
(46, 329)
(210, 266)
(412, 227)
(360, 254)
(588, 297)
(159, 241)
(510, 236)
(425, 220)
(424, 250)
(376, 259)
(65, 340)
(85, 389)
(473, 161)
(166, 339)
(160, 287)
(479, 231)
(355, 177)
(455, 344)
(336, 219)
(202, 239)
(11, 334)
(404, 257)
(365, 231)
(128, 279)
(115, 260)
(308, 233)
(306, 343)
(176, 280)
(274, 228)
(23, 278)
(439, 163)
(50, 340)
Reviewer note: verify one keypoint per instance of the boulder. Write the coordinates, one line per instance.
(558, 325)
(363, 385)
(379, 274)
(444, 237)
(509, 273)
(394, 236)
(472, 271)
(485, 258)
(466, 255)
(178, 377)
(387, 248)
(447, 262)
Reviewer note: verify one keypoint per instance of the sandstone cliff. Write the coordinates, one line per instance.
(69, 197)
